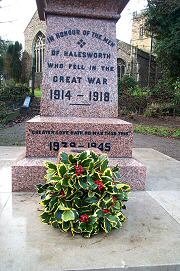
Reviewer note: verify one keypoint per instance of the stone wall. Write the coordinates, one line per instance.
(34, 26)
(141, 67)
(142, 42)
(124, 51)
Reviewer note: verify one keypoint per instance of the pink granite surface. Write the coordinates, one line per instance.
(70, 85)
(133, 172)
(109, 9)
(80, 97)
(28, 172)
(45, 136)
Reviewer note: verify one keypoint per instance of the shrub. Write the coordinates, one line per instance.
(134, 104)
(4, 110)
(154, 110)
(126, 83)
(163, 91)
(7, 113)
(13, 93)
(83, 195)
(176, 98)
(139, 92)
(161, 109)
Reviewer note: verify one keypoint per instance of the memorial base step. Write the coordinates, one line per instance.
(28, 172)
(45, 136)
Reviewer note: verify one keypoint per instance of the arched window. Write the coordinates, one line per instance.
(141, 31)
(121, 67)
(39, 48)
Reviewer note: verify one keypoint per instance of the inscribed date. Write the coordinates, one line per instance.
(55, 146)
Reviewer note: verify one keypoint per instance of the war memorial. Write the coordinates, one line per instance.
(79, 105)
(79, 109)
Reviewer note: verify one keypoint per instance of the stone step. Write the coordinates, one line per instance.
(28, 172)
(45, 136)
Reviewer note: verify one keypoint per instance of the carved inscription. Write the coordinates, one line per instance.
(103, 140)
(81, 133)
(55, 146)
(75, 32)
(64, 84)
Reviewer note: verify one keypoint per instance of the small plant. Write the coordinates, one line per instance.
(13, 93)
(163, 92)
(139, 92)
(82, 194)
(154, 110)
(126, 84)
(176, 98)
(156, 130)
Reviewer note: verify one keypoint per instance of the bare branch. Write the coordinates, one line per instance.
(8, 22)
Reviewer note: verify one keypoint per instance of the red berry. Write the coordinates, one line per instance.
(84, 218)
(100, 184)
(106, 211)
(79, 170)
(62, 193)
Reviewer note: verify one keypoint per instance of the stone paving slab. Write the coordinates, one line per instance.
(149, 154)
(148, 241)
(169, 200)
(150, 237)
(5, 180)
(10, 153)
(3, 200)
(163, 172)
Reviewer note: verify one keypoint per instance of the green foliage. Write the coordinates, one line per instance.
(163, 91)
(3, 48)
(13, 92)
(4, 110)
(83, 195)
(139, 92)
(162, 100)
(163, 20)
(38, 92)
(13, 61)
(156, 130)
(134, 100)
(7, 113)
(176, 98)
(127, 83)
(26, 59)
(154, 110)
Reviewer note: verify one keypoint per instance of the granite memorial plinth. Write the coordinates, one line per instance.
(79, 105)
(113, 136)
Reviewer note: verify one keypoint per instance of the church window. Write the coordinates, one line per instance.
(121, 67)
(39, 49)
(141, 31)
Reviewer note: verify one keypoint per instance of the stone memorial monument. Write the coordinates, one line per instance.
(79, 105)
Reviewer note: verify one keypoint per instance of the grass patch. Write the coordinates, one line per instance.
(157, 130)
(37, 92)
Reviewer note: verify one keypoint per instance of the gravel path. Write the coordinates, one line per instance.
(15, 135)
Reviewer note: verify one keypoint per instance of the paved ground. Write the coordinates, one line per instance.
(148, 241)
(168, 146)
(16, 136)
